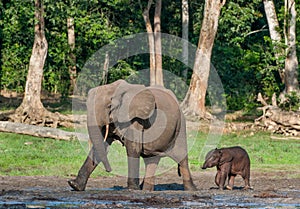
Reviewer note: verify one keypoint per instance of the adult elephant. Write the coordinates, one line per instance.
(147, 120)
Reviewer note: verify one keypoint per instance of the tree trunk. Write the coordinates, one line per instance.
(146, 16)
(154, 41)
(157, 42)
(194, 102)
(291, 61)
(31, 110)
(105, 69)
(71, 42)
(185, 37)
(274, 33)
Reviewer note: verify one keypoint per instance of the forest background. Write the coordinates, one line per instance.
(243, 54)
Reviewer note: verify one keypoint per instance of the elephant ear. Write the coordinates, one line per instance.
(226, 156)
(142, 105)
(132, 101)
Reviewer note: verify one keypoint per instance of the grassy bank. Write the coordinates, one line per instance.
(26, 155)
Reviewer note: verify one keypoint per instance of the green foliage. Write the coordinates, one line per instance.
(121, 71)
(15, 21)
(243, 54)
(291, 102)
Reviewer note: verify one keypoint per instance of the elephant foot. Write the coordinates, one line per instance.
(229, 187)
(189, 185)
(147, 186)
(134, 187)
(247, 187)
(76, 186)
(133, 183)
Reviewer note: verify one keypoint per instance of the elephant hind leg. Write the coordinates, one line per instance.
(149, 179)
(246, 178)
(186, 175)
(79, 183)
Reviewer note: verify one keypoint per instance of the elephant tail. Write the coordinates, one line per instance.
(178, 170)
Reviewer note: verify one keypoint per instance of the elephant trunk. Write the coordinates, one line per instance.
(95, 134)
(100, 153)
(204, 166)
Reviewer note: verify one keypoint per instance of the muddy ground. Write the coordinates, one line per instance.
(276, 189)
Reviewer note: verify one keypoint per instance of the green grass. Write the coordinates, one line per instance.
(26, 155)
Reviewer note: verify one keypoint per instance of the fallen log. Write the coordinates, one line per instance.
(277, 120)
(39, 131)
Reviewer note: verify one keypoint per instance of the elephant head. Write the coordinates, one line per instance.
(115, 103)
(216, 157)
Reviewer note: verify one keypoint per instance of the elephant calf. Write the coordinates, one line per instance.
(230, 162)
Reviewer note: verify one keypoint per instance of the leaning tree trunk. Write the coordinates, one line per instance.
(194, 102)
(31, 110)
(291, 61)
(275, 35)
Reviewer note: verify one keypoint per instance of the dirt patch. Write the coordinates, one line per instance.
(269, 190)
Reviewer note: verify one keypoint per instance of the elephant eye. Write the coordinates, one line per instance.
(213, 157)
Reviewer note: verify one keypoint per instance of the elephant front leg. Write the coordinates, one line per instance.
(186, 175)
(84, 173)
(133, 173)
(217, 178)
(230, 181)
(223, 176)
(149, 179)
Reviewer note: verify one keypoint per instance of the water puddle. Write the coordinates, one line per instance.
(216, 202)
(63, 204)
(241, 202)
(119, 197)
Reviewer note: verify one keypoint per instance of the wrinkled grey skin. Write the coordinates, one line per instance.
(230, 162)
(147, 120)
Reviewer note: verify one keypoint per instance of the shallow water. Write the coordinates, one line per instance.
(28, 192)
(88, 201)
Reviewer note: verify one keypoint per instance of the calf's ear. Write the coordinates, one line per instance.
(225, 156)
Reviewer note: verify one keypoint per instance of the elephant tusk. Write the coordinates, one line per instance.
(90, 144)
(106, 132)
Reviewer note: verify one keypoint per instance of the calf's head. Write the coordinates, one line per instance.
(216, 157)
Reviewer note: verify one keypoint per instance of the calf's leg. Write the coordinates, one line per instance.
(230, 181)
(217, 178)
